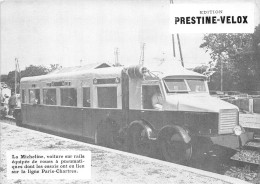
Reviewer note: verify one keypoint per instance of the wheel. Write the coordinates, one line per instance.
(141, 144)
(174, 149)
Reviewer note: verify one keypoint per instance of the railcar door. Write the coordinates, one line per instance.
(152, 104)
(125, 98)
(87, 111)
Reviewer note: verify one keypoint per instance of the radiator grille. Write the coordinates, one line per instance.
(227, 120)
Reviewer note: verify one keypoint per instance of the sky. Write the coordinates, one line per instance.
(74, 32)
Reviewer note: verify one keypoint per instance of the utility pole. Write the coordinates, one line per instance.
(221, 75)
(116, 56)
(15, 75)
(173, 42)
(141, 61)
(17, 69)
(179, 43)
(173, 45)
(1, 1)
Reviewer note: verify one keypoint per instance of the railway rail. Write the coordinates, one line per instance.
(244, 165)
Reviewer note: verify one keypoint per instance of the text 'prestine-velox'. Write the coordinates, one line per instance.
(212, 20)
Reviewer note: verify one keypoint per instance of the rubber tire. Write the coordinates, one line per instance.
(135, 134)
(186, 154)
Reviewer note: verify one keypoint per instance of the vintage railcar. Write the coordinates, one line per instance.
(162, 109)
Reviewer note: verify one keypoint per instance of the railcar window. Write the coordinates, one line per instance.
(86, 97)
(176, 85)
(107, 97)
(34, 96)
(196, 85)
(68, 96)
(151, 97)
(23, 96)
(49, 96)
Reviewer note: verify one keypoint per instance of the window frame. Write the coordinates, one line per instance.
(176, 91)
(118, 93)
(205, 85)
(82, 99)
(60, 96)
(150, 84)
(23, 96)
(29, 96)
(56, 98)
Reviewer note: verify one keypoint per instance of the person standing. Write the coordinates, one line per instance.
(6, 101)
(12, 103)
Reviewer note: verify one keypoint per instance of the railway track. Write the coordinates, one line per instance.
(245, 165)
(242, 170)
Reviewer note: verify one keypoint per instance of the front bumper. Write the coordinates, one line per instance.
(220, 147)
(232, 141)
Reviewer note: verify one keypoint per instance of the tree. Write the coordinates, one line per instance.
(29, 71)
(201, 69)
(237, 56)
(4, 78)
(54, 67)
(34, 71)
(256, 51)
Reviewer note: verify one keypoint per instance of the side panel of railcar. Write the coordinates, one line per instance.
(69, 120)
(55, 118)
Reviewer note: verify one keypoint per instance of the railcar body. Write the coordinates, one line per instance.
(141, 109)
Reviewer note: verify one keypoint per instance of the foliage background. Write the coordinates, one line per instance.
(31, 70)
(239, 55)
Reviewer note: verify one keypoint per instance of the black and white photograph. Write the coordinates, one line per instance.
(130, 91)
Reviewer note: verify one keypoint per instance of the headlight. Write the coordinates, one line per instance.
(238, 130)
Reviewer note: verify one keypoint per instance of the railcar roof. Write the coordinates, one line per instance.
(172, 69)
(81, 68)
(162, 70)
(108, 72)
